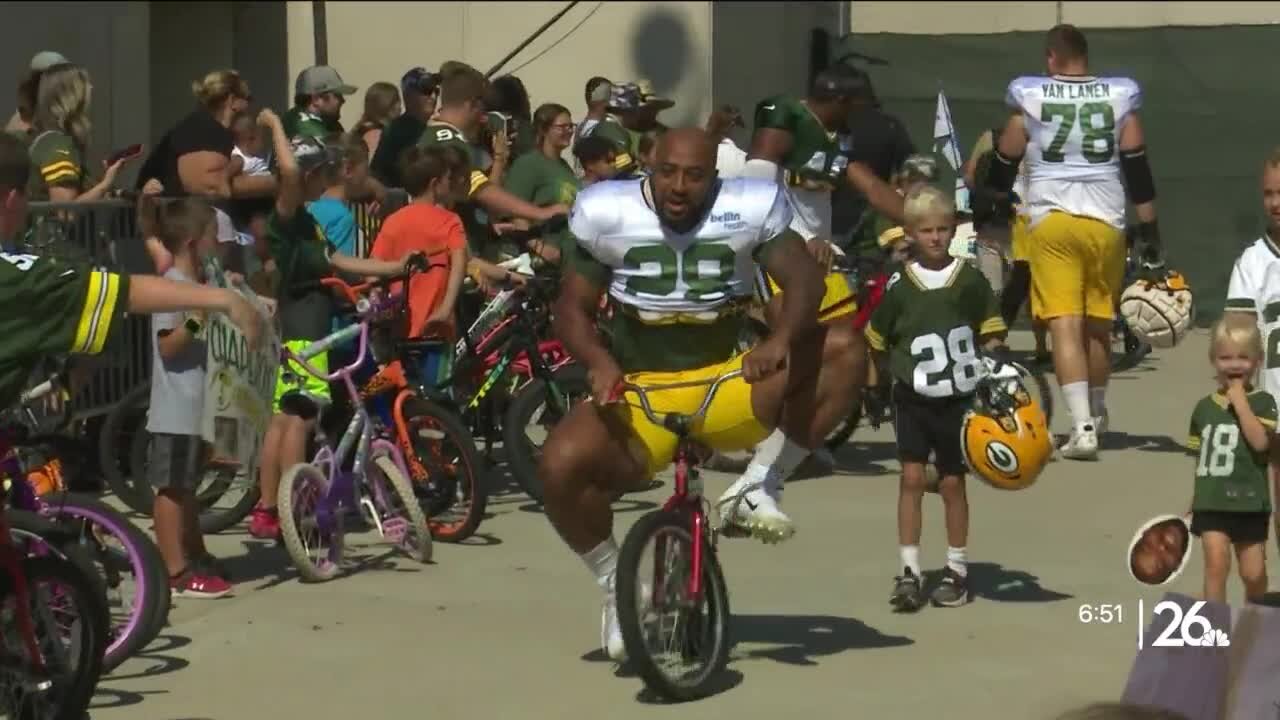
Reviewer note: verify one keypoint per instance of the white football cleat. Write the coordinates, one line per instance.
(611, 631)
(1083, 444)
(756, 512)
(1100, 423)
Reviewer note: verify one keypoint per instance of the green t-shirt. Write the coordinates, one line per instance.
(80, 311)
(401, 134)
(299, 122)
(930, 323)
(543, 181)
(626, 142)
(301, 252)
(816, 160)
(1230, 476)
(56, 161)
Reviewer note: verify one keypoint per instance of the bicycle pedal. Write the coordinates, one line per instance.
(395, 530)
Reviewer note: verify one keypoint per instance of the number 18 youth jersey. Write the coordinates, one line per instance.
(1230, 476)
(1073, 157)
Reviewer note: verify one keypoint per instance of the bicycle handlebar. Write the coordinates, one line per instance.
(678, 423)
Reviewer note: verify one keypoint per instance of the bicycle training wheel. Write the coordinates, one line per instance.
(70, 632)
(679, 644)
(316, 551)
(400, 515)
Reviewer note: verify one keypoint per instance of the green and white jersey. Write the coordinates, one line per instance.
(1230, 476)
(813, 167)
(1073, 158)
(677, 295)
(930, 321)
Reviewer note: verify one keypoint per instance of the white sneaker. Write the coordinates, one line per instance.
(752, 509)
(1100, 423)
(1083, 444)
(611, 631)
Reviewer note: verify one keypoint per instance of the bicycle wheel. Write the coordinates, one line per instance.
(115, 442)
(453, 493)
(400, 515)
(678, 644)
(226, 496)
(537, 407)
(315, 552)
(71, 634)
(129, 563)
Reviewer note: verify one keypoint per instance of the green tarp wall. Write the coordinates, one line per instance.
(1211, 111)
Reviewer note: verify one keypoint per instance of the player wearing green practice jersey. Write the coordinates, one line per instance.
(1231, 432)
(936, 312)
(800, 143)
(462, 90)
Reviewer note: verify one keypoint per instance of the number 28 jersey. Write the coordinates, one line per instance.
(1073, 158)
(676, 294)
(1230, 476)
(929, 322)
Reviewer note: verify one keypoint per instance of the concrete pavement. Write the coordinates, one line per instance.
(507, 626)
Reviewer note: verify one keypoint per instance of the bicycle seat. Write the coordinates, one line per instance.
(418, 346)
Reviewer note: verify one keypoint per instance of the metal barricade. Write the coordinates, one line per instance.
(105, 234)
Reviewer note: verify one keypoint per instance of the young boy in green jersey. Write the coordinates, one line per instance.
(936, 312)
(308, 169)
(1232, 430)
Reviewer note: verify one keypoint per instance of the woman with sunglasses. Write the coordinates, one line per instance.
(541, 176)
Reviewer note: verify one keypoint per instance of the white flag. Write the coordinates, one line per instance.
(947, 142)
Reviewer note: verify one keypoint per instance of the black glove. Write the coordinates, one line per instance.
(1150, 248)
(990, 205)
(875, 403)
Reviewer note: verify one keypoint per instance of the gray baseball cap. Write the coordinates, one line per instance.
(319, 79)
(46, 59)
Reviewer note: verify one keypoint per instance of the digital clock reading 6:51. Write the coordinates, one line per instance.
(1103, 613)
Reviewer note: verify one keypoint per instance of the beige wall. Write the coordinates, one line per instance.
(668, 43)
(993, 17)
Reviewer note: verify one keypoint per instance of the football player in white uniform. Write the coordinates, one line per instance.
(1254, 288)
(677, 255)
(1084, 149)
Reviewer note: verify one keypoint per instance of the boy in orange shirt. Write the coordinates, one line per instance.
(432, 176)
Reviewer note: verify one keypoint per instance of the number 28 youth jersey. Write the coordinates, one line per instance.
(677, 295)
(1073, 156)
(1230, 476)
(929, 322)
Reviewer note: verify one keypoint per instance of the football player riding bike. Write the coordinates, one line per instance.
(676, 253)
(801, 144)
(1085, 148)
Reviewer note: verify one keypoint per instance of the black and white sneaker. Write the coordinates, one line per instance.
(953, 591)
(908, 596)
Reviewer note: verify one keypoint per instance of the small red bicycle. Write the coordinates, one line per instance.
(674, 609)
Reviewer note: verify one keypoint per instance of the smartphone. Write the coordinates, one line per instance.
(127, 153)
(496, 122)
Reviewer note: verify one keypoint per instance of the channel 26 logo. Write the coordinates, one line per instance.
(1188, 628)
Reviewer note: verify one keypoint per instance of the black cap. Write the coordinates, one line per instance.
(842, 81)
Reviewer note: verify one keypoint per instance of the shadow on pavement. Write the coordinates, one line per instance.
(619, 506)
(992, 581)
(1113, 440)
(157, 658)
(799, 639)
(1271, 599)
(722, 683)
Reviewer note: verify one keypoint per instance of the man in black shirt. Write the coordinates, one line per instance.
(420, 88)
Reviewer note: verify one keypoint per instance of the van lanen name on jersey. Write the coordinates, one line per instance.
(1075, 91)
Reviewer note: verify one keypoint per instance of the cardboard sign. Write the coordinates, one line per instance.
(239, 384)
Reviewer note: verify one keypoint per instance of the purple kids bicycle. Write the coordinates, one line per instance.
(315, 498)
